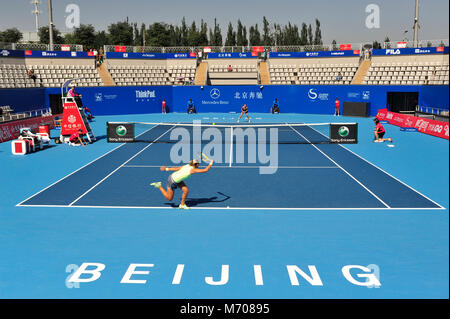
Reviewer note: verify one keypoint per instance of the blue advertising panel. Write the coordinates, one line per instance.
(316, 54)
(310, 99)
(231, 55)
(411, 51)
(45, 54)
(157, 56)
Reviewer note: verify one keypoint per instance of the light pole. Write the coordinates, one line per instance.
(416, 24)
(50, 24)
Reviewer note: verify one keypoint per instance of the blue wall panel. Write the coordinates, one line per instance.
(314, 99)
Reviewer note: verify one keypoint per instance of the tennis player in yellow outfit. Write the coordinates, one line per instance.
(176, 180)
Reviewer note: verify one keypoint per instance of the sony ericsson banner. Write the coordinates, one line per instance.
(120, 132)
(344, 133)
(411, 51)
(316, 54)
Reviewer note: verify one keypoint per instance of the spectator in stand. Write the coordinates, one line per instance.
(230, 68)
(31, 75)
(191, 107)
(339, 77)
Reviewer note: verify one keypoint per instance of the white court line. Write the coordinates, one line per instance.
(258, 167)
(398, 180)
(367, 189)
(243, 208)
(59, 180)
(107, 176)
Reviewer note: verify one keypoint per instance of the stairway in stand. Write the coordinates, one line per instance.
(264, 73)
(361, 73)
(105, 75)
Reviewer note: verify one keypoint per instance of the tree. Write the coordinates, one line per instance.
(158, 35)
(376, 45)
(318, 34)
(12, 35)
(184, 32)
(203, 34)
(334, 44)
(387, 42)
(304, 34)
(215, 37)
(193, 35)
(231, 36)
(121, 33)
(254, 35)
(84, 35)
(44, 36)
(310, 35)
(266, 36)
(241, 35)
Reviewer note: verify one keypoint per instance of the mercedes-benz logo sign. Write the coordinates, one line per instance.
(214, 93)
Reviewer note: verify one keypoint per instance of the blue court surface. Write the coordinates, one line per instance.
(289, 234)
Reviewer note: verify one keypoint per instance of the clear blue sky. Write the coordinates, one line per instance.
(343, 20)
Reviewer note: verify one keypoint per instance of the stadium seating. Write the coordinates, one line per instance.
(241, 72)
(313, 71)
(127, 75)
(48, 75)
(408, 73)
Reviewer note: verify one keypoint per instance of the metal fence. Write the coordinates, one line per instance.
(279, 48)
(40, 46)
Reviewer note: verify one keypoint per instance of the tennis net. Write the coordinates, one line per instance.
(226, 133)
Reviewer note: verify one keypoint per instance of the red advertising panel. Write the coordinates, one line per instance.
(11, 130)
(72, 120)
(258, 49)
(423, 125)
(345, 47)
(120, 48)
(440, 49)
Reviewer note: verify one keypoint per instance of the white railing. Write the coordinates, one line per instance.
(413, 44)
(24, 115)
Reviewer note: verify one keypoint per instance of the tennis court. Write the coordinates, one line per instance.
(326, 205)
(336, 177)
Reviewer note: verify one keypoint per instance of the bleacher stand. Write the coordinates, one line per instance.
(409, 70)
(238, 72)
(128, 75)
(313, 71)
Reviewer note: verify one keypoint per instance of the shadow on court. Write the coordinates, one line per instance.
(192, 202)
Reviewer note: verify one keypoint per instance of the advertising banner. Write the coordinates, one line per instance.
(424, 125)
(11, 130)
(344, 133)
(317, 54)
(411, 51)
(72, 120)
(120, 132)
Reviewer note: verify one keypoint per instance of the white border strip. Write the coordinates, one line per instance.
(222, 166)
(243, 208)
(59, 180)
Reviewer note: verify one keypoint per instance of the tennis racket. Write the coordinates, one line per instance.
(203, 157)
